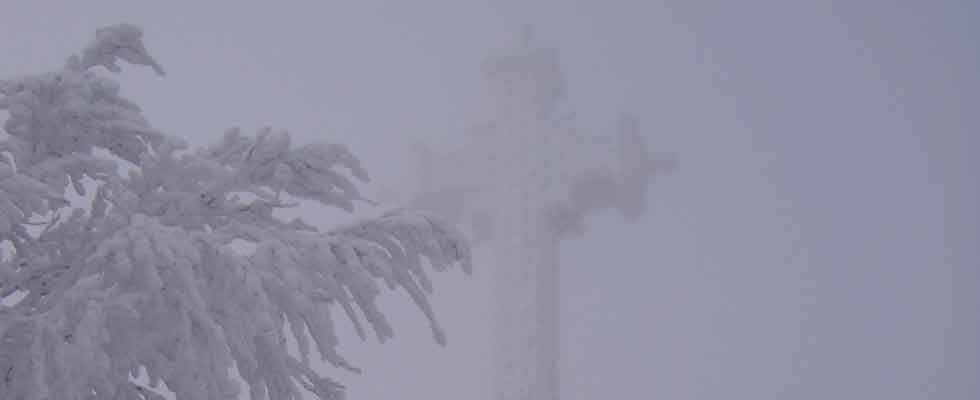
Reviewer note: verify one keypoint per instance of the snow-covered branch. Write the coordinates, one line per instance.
(145, 271)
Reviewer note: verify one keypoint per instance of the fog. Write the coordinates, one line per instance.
(817, 239)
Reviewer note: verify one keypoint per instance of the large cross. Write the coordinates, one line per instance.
(519, 184)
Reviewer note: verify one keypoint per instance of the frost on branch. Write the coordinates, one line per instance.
(143, 271)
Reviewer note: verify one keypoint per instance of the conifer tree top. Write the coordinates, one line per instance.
(141, 271)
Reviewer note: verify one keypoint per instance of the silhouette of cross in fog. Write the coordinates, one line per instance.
(520, 183)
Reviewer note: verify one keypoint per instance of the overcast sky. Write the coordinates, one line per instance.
(819, 239)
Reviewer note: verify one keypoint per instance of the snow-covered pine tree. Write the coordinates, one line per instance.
(145, 273)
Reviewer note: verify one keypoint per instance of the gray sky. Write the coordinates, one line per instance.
(819, 239)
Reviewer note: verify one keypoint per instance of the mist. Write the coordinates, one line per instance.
(817, 237)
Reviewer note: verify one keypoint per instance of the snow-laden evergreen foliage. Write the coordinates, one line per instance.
(145, 275)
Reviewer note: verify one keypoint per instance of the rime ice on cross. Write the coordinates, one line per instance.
(520, 183)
